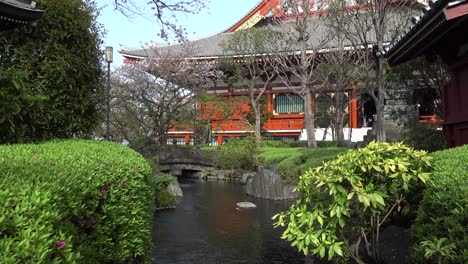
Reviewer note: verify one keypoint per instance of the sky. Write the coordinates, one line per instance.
(140, 30)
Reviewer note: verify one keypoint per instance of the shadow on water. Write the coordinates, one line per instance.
(207, 228)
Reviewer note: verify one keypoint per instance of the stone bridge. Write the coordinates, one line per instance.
(180, 161)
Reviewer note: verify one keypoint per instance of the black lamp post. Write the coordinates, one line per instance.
(109, 57)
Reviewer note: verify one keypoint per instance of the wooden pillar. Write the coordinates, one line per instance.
(353, 109)
(270, 103)
(220, 140)
(187, 139)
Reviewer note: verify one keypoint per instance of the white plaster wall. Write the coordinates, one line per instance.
(357, 134)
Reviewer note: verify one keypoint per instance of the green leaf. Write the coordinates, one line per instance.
(379, 199)
(377, 168)
(320, 220)
(338, 250)
(331, 252)
(322, 251)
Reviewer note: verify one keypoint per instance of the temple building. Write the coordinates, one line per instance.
(286, 109)
(442, 31)
(14, 13)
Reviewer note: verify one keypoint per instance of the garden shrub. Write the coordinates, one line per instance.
(327, 144)
(297, 144)
(443, 212)
(275, 143)
(164, 198)
(424, 136)
(74, 201)
(238, 154)
(293, 162)
(347, 200)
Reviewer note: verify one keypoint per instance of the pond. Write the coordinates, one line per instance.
(207, 228)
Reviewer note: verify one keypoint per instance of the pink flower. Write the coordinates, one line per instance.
(60, 244)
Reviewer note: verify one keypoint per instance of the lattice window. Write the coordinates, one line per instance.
(288, 104)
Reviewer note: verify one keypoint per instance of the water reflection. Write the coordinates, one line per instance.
(207, 228)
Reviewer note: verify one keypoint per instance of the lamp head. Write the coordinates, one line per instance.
(109, 54)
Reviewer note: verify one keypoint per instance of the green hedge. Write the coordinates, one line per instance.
(443, 212)
(424, 136)
(297, 144)
(74, 201)
(237, 154)
(293, 162)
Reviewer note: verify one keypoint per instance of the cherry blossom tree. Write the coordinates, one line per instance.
(153, 95)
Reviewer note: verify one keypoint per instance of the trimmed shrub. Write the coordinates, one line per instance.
(293, 162)
(275, 143)
(424, 136)
(297, 144)
(327, 144)
(238, 154)
(74, 201)
(443, 212)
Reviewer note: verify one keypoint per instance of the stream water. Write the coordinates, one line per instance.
(207, 228)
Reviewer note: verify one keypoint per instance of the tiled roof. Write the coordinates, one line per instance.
(14, 12)
(425, 28)
(210, 47)
(17, 3)
(205, 47)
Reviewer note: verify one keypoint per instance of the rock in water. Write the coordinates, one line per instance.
(175, 189)
(246, 205)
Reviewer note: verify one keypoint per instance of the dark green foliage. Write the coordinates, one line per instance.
(163, 181)
(293, 162)
(92, 198)
(238, 154)
(443, 212)
(297, 144)
(164, 199)
(50, 74)
(327, 144)
(424, 136)
(276, 143)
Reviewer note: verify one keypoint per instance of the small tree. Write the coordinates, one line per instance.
(251, 51)
(346, 201)
(375, 23)
(302, 39)
(343, 66)
(159, 89)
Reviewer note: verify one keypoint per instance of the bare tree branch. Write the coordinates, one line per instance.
(165, 13)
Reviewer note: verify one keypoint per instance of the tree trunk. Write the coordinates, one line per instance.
(380, 129)
(309, 119)
(339, 116)
(257, 127)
